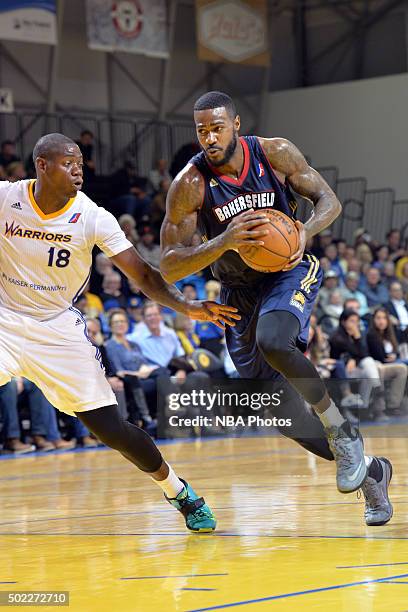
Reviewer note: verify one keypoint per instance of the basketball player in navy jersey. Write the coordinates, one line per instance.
(222, 191)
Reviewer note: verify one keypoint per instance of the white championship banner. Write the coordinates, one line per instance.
(135, 26)
(29, 21)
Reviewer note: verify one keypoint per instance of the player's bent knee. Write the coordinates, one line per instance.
(276, 348)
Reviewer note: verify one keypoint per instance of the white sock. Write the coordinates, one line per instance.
(171, 485)
(331, 416)
(368, 460)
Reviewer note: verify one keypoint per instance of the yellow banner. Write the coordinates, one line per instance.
(233, 31)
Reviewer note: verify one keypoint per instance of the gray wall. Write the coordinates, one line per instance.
(360, 126)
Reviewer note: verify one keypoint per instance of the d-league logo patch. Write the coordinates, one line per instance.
(261, 171)
(74, 218)
(298, 300)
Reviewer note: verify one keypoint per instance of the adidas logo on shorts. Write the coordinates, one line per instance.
(17, 205)
(78, 322)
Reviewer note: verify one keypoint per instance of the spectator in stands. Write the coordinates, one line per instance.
(112, 296)
(398, 308)
(135, 311)
(318, 352)
(103, 266)
(325, 264)
(381, 257)
(128, 226)
(394, 244)
(347, 343)
(124, 179)
(15, 172)
(330, 284)
(374, 290)
(130, 193)
(160, 346)
(350, 253)
(158, 205)
(189, 291)
(93, 327)
(333, 309)
(350, 290)
(401, 271)
(322, 240)
(130, 365)
(341, 254)
(148, 249)
(364, 253)
(381, 339)
(388, 274)
(86, 146)
(383, 347)
(44, 424)
(331, 253)
(159, 173)
(7, 155)
(185, 330)
(11, 431)
(212, 290)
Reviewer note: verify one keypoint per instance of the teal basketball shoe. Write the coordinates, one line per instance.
(197, 514)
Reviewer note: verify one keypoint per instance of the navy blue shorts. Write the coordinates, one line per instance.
(294, 291)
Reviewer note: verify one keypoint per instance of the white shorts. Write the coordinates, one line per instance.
(58, 357)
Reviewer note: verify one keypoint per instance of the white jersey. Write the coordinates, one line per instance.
(45, 260)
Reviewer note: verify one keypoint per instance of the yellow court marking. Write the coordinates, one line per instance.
(91, 524)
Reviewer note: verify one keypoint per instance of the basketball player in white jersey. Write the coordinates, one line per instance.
(48, 229)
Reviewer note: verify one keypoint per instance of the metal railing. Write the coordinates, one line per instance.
(118, 139)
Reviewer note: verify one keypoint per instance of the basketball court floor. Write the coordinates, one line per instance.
(89, 523)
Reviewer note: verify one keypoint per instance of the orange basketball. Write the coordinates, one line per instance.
(280, 244)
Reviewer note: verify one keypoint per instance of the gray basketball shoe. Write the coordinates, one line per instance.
(346, 444)
(378, 508)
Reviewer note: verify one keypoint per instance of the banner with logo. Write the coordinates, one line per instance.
(6, 101)
(136, 26)
(233, 31)
(29, 21)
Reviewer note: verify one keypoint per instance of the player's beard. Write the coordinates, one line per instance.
(229, 152)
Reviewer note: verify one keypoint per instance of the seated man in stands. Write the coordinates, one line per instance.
(160, 346)
(11, 431)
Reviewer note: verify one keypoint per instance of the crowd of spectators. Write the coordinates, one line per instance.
(358, 334)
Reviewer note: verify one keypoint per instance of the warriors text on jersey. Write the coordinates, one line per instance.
(45, 260)
(225, 198)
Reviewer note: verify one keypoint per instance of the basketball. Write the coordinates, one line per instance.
(280, 244)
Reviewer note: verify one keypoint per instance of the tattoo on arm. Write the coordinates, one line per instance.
(286, 159)
(179, 258)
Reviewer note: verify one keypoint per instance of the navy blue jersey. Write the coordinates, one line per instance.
(226, 197)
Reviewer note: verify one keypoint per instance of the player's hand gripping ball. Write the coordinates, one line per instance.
(279, 245)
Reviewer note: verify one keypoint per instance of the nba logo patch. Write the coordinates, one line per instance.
(298, 300)
(261, 170)
(74, 218)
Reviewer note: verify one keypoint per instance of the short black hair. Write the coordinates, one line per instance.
(7, 142)
(50, 144)
(216, 99)
(86, 133)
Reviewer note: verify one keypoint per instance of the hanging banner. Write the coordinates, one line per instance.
(136, 26)
(233, 31)
(6, 101)
(29, 21)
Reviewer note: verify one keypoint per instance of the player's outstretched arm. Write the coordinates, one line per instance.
(288, 161)
(155, 287)
(178, 258)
